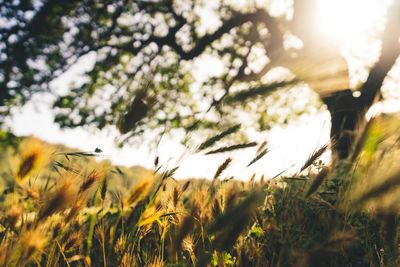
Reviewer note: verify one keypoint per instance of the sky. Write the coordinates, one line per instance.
(289, 144)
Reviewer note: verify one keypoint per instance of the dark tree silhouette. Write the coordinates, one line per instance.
(144, 52)
(348, 111)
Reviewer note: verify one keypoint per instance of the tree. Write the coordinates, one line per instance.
(144, 53)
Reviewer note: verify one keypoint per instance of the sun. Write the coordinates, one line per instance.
(340, 20)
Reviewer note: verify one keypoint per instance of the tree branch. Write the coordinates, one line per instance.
(389, 54)
(258, 16)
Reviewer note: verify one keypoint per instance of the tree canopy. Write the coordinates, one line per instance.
(144, 54)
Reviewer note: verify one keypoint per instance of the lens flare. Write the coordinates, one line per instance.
(343, 19)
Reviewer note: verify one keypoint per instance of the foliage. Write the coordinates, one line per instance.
(142, 48)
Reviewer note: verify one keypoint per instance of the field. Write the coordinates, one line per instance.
(63, 208)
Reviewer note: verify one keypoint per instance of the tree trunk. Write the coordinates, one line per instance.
(347, 114)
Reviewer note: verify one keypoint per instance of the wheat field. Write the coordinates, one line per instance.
(63, 208)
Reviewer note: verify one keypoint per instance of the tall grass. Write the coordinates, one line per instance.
(58, 210)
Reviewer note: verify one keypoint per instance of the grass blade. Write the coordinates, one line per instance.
(388, 185)
(231, 148)
(222, 167)
(258, 156)
(211, 141)
(318, 181)
(313, 157)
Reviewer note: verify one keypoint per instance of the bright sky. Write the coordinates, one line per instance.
(288, 145)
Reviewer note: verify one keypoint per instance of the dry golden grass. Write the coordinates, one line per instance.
(343, 215)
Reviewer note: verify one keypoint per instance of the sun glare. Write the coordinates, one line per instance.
(343, 19)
